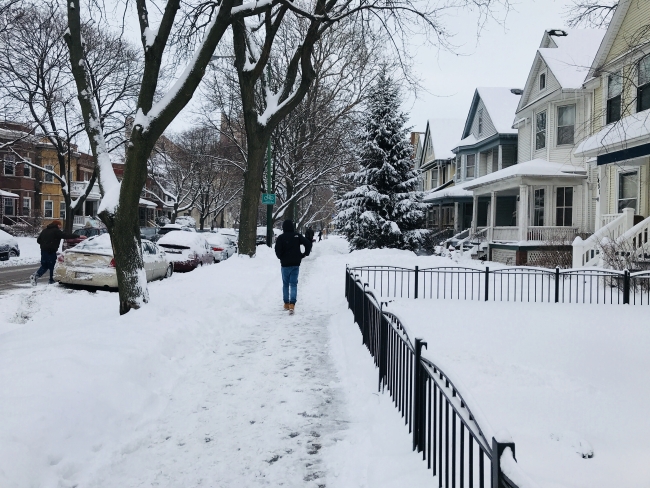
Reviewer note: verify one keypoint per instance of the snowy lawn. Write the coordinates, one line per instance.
(561, 378)
(211, 384)
(30, 253)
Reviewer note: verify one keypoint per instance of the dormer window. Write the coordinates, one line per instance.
(542, 81)
(480, 122)
(614, 90)
(643, 92)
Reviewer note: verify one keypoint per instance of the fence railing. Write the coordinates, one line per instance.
(457, 450)
(515, 284)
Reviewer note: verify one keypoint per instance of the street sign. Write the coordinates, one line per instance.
(268, 198)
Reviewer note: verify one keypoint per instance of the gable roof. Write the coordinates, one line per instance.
(610, 35)
(500, 103)
(444, 133)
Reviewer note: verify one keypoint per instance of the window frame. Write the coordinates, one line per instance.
(47, 177)
(622, 174)
(562, 208)
(612, 98)
(9, 201)
(641, 88)
(45, 215)
(28, 207)
(9, 160)
(62, 212)
(539, 132)
(573, 131)
(542, 81)
(27, 169)
(480, 122)
(467, 166)
(539, 209)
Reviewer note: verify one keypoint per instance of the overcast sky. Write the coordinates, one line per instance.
(502, 57)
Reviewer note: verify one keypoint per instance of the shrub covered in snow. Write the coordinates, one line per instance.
(384, 210)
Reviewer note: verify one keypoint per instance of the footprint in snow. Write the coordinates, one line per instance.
(575, 442)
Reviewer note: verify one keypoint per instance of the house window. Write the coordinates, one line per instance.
(542, 81)
(27, 169)
(614, 90)
(470, 165)
(564, 207)
(643, 92)
(49, 178)
(10, 206)
(566, 121)
(538, 213)
(10, 165)
(540, 130)
(628, 185)
(48, 211)
(27, 206)
(480, 122)
(62, 210)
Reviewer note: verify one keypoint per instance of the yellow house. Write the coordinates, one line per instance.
(620, 132)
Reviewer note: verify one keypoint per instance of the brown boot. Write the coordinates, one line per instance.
(287, 306)
(291, 308)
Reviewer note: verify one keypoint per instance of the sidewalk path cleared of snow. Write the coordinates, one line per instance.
(211, 384)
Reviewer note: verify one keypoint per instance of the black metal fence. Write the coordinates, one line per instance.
(518, 284)
(444, 429)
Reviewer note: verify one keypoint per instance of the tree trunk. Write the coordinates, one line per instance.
(251, 197)
(290, 209)
(69, 218)
(124, 228)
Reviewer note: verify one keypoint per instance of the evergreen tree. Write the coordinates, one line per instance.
(384, 210)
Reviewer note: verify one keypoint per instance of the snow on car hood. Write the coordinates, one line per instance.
(7, 239)
(190, 240)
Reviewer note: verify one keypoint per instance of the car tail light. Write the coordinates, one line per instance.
(112, 263)
(217, 248)
(60, 258)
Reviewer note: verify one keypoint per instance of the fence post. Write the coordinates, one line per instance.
(419, 400)
(347, 284)
(417, 275)
(487, 283)
(364, 316)
(497, 450)
(557, 284)
(626, 287)
(383, 346)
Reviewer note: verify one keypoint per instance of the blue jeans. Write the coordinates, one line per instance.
(290, 283)
(48, 260)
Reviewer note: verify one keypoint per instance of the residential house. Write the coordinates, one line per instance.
(541, 204)
(620, 142)
(488, 144)
(19, 200)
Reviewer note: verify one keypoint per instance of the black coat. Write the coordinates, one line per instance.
(309, 234)
(287, 248)
(50, 238)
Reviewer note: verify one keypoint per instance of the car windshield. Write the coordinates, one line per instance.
(95, 244)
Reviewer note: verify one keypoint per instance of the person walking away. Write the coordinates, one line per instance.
(287, 249)
(49, 240)
(320, 235)
(309, 234)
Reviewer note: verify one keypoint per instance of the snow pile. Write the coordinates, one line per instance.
(30, 253)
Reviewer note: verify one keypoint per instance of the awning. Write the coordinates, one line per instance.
(6, 194)
(629, 138)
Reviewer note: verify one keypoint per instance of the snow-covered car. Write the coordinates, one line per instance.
(222, 247)
(187, 250)
(82, 234)
(166, 229)
(91, 263)
(8, 246)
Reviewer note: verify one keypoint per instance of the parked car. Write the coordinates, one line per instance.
(91, 263)
(222, 247)
(149, 233)
(8, 246)
(82, 234)
(187, 250)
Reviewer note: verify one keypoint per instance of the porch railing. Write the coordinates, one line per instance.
(552, 234)
(79, 187)
(456, 443)
(588, 252)
(512, 284)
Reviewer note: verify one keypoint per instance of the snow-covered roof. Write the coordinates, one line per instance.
(535, 167)
(444, 133)
(571, 60)
(147, 203)
(456, 191)
(470, 140)
(7, 194)
(501, 105)
(628, 132)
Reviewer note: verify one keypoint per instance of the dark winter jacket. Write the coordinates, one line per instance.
(50, 238)
(309, 234)
(287, 246)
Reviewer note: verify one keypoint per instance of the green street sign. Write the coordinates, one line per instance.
(268, 198)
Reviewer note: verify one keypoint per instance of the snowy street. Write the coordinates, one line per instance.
(211, 384)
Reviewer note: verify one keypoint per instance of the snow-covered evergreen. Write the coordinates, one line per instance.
(385, 209)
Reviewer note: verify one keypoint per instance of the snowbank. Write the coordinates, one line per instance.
(30, 253)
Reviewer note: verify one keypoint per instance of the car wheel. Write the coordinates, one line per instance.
(13, 254)
(170, 271)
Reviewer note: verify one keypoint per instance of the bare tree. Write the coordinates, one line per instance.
(591, 13)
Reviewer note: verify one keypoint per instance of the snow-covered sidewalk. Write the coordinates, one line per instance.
(211, 384)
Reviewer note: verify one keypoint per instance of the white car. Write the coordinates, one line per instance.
(8, 246)
(91, 263)
(222, 246)
(187, 250)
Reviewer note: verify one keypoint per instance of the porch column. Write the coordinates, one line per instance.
(493, 214)
(440, 223)
(475, 214)
(500, 162)
(456, 218)
(601, 195)
(522, 213)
